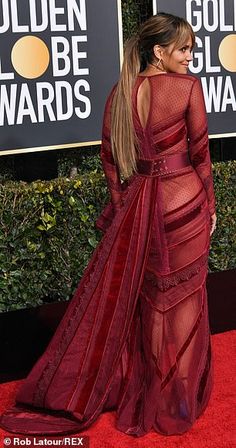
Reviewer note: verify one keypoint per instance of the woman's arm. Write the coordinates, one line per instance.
(110, 169)
(199, 143)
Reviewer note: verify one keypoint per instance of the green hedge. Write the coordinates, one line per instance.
(48, 233)
(223, 243)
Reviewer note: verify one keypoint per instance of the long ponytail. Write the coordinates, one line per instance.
(124, 143)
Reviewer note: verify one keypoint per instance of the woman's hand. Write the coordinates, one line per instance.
(213, 223)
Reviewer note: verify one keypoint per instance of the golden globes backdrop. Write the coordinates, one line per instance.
(214, 23)
(58, 61)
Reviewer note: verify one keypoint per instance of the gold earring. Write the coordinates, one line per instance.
(157, 65)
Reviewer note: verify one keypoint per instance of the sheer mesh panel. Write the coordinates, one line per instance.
(176, 122)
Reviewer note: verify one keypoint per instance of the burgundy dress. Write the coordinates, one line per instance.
(135, 337)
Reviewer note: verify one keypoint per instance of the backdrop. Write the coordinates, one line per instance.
(58, 61)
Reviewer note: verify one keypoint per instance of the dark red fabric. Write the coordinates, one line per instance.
(135, 336)
(160, 166)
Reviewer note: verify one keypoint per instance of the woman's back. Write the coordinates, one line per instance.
(163, 115)
(170, 118)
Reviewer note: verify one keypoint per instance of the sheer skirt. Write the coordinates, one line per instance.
(165, 376)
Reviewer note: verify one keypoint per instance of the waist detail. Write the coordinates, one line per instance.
(163, 165)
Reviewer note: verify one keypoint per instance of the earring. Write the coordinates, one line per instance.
(157, 65)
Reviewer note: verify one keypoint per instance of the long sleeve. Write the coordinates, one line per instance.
(198, 141)
(111, 172)
(110, 168)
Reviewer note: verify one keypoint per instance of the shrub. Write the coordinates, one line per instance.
(223, 243)
(46, 238)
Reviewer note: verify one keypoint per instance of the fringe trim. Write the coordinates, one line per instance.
(167, 282)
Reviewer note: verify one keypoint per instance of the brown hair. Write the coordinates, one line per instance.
(162, 29)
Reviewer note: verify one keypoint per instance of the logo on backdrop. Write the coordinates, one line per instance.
(214, 24)
(56, 68)
(30, 56)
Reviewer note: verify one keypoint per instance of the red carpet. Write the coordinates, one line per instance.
(214, 429)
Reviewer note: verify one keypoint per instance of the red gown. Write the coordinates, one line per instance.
(135, 337)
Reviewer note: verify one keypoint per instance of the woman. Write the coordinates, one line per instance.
(135, 337)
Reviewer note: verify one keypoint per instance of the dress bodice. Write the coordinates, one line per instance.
(167, 125)
(175, 122)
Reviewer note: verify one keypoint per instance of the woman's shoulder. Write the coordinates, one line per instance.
(190, 78)
(176, 82)
(178, 77)
(109, 98)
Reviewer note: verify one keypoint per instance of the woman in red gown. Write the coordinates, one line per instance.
(135, 337)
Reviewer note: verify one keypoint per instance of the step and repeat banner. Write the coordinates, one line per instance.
(214, 23)
(58, 61)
